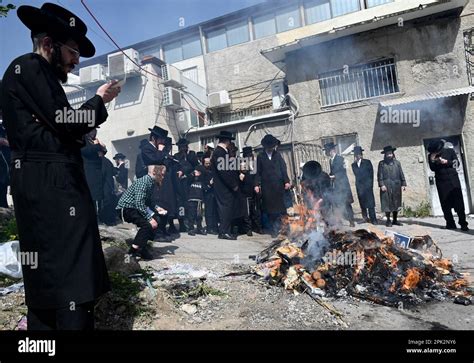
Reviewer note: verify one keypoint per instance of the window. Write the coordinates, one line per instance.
(191, 73)
(238, 33)
(341, 7)
(288, 19)
(372, 3)
(357, 83)
(345, 143)
(183, 49)
(264, 26)
(282, 21)
(317, 11)
(228, 36)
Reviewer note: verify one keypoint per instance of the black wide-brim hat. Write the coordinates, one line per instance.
(387, 149)
(269, 141)
(119, 156)
(329, 146)
(225, 135)
(435, 146)
(182, 142)
(59, 23)
(358, 150)
(247, 151)
(312, 169)
(159, 132)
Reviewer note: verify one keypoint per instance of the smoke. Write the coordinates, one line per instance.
(317, 246)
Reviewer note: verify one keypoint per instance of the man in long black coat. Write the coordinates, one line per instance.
(444, 161)
(364, 176)
(210, 207)
(53, 206)
(316, 189)
(140, 168)
(122, 170)
(252, 219)
(4, 167)
(188, 161)
(391, 180)
(272, 180)
(226, 185)
(107, 212)
(342, 198)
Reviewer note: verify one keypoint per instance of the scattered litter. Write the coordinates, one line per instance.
(10, 263)
(12, 288)
(189, 309)
(22, 323)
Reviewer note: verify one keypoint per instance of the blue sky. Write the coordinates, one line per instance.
(127, 21)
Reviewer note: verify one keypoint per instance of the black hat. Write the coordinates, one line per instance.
(312, 169)
(329, 146)
(200, 154)
(57, 22)
(182, 141)
(143, 143)
(159, 132)
(358, 150)
(247, 151)
(388, 148)
(225, 135)
(119, 156)
(269, 141)
(169, 141)
(435, 146)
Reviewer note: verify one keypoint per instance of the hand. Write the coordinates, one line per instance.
(108, 92)
(287, 186)
(180, 174)
(242, 176)
(161, 147)
(211, 181)
(154, 223)
(161, 211)
(332, 177)
(443, 161)
(383, 188)
(4, 142)
(257, 190)
(96, 141)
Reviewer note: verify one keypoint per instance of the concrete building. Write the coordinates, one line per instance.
(356, 68)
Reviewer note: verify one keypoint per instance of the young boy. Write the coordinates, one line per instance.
(195, 198)
(135, 207)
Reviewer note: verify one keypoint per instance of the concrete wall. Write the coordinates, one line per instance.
(429, 57)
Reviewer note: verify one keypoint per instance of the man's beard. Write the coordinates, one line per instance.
(58, 64)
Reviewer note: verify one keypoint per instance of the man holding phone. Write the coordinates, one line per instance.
(57, 223)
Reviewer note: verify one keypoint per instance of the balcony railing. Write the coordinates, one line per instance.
(223, 117)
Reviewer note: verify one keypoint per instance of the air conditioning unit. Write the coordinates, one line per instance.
(219, 99)
(171, 76)
(279, 92)
(120, 65)
(92, 74)
(172, 98)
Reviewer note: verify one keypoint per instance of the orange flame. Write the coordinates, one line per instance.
(412, 279)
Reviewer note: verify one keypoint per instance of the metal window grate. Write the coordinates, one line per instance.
(358, 83)
(469, 52)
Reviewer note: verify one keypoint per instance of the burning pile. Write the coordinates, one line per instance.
(365, 264)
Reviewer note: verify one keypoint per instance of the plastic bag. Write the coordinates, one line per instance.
(9, 259)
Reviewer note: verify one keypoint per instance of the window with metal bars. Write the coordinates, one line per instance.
(469, 53)
(356, 83)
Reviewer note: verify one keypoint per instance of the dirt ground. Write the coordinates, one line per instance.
(185, 287)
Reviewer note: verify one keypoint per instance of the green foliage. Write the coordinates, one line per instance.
(5, 9)
(421, 211)
(7, 281)
(9, 231)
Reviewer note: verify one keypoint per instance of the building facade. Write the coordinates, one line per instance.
(361, 72)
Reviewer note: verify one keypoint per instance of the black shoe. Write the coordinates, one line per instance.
(134, 252)
(212, 231)
(192, 232)
(397, 223)
(450, 226)
(388, 224)
(249, 233)
(465, 228)
(182, 228)
(258, 231)
(145, 254)
(227, 236)
(160, 237)
(201, 232)
(374, 222)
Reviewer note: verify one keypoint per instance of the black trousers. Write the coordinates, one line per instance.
(210, 211)
(371, 213)
(194, 212)
(3, 195)
(252, 217)
(225, 209)
(79, 317)
(145, 230)
(453, 200)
